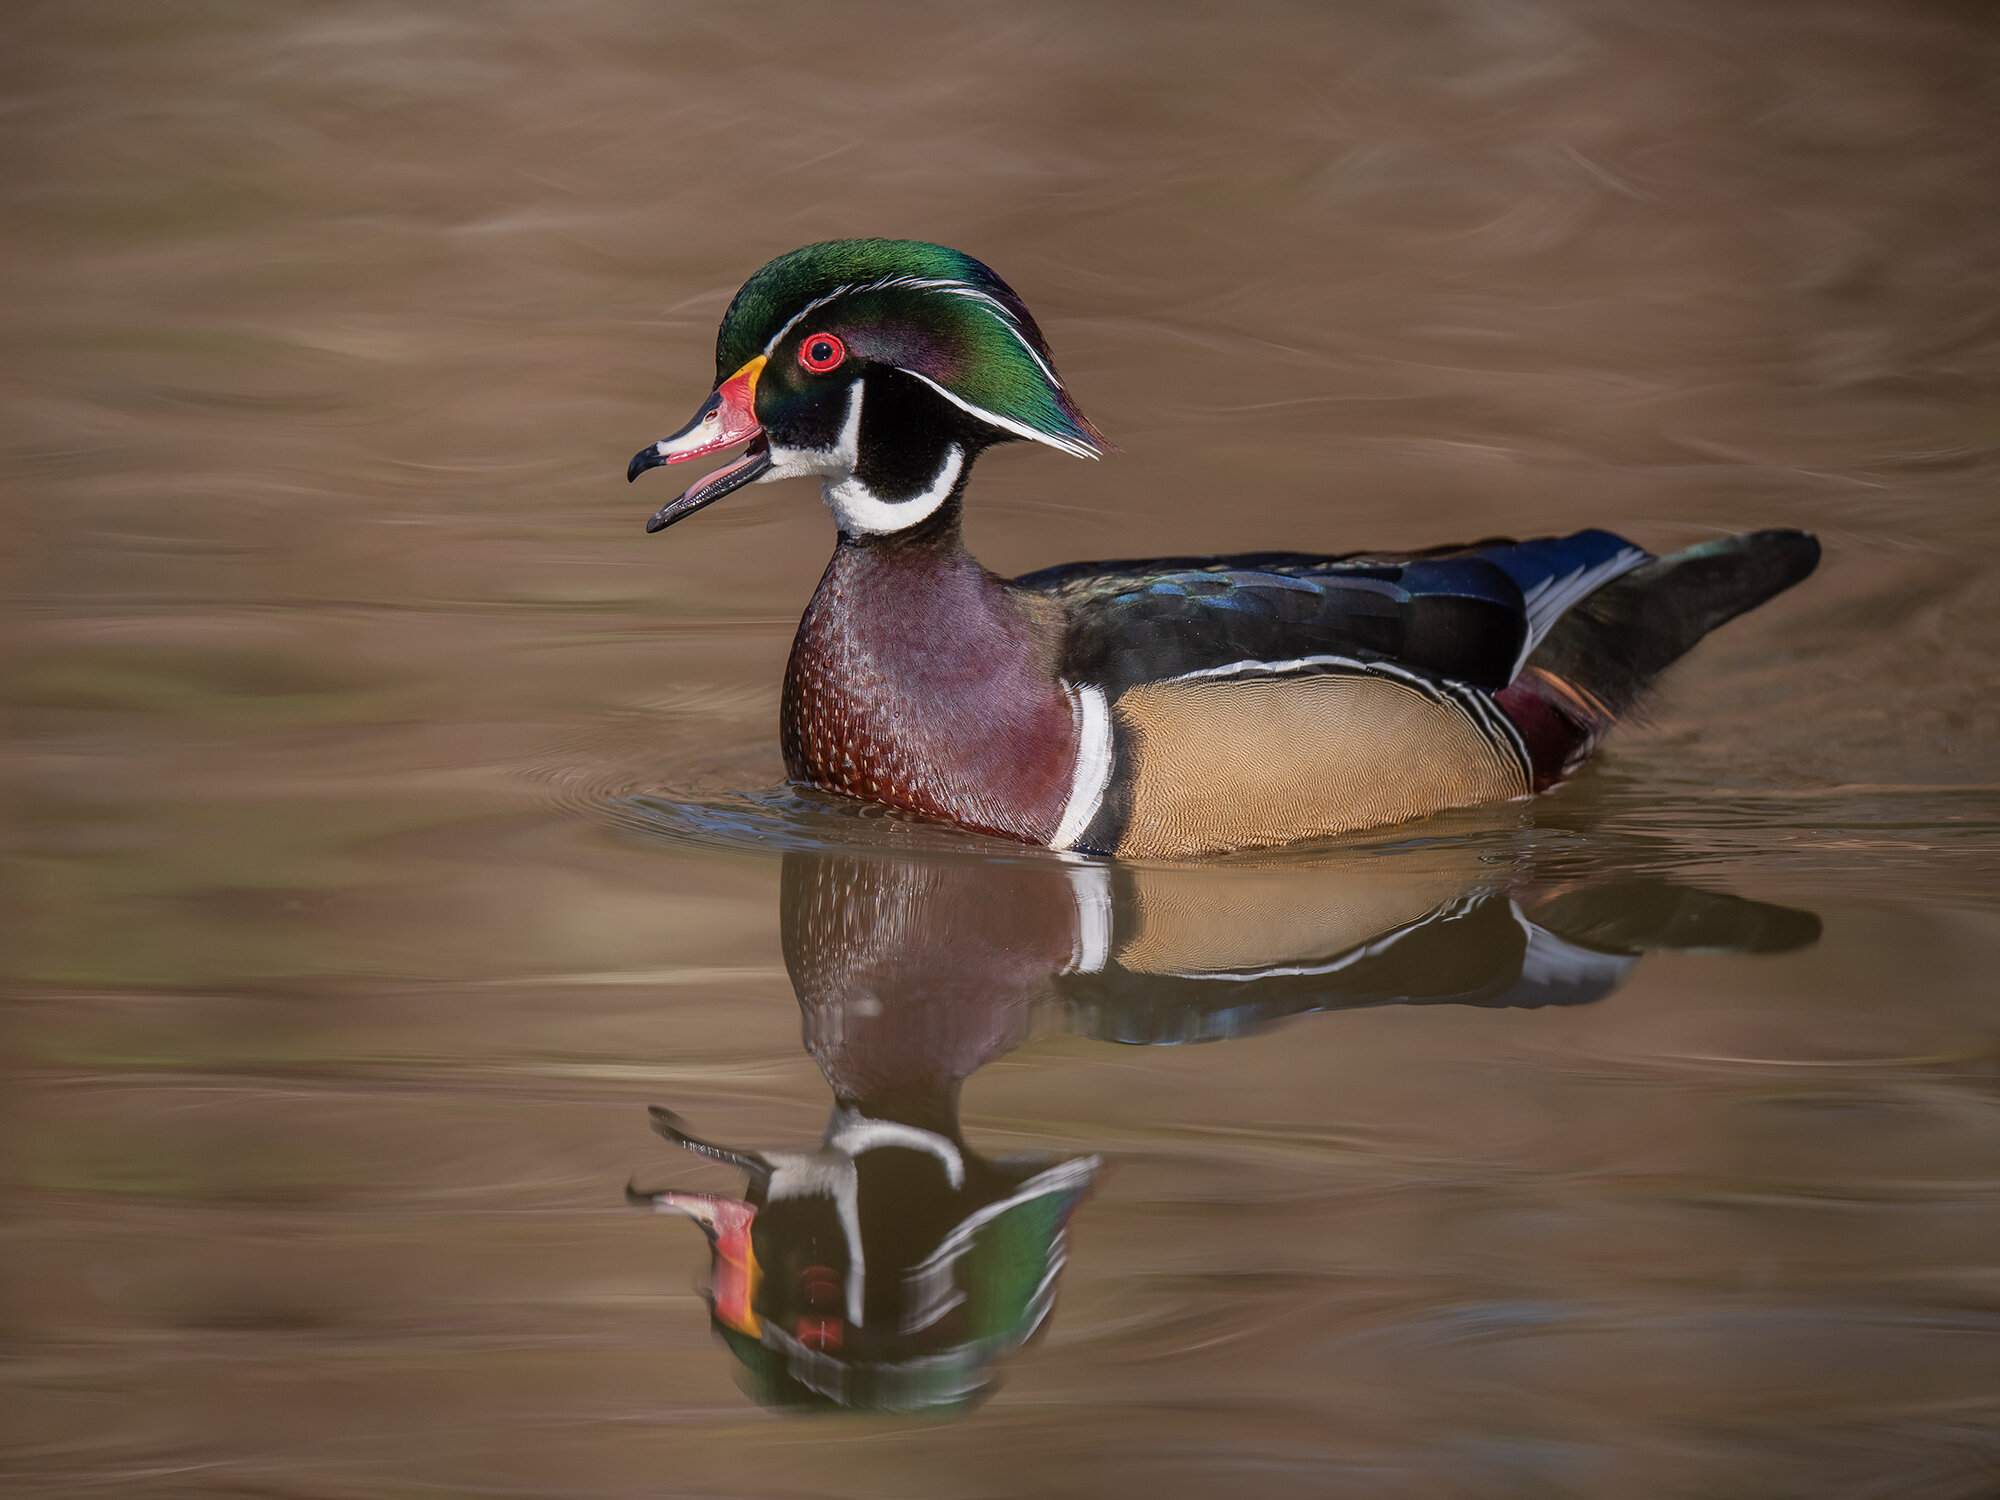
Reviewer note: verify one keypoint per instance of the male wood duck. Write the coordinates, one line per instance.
(1161, 708)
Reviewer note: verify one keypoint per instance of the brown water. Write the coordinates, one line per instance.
(394, 821)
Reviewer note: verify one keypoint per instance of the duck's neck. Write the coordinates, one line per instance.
(920, 680)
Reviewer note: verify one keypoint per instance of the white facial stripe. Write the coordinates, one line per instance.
(1006, 316)
(858, 510)
(834, 462)
(971, 294)
(1007, 424)
(800, 316)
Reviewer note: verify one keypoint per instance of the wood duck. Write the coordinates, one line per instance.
(1168, 707)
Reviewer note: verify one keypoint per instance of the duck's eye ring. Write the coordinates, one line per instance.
(821, 353)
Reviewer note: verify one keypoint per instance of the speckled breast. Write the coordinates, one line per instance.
(912, 683)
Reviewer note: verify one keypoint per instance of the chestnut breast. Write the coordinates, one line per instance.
(919, 680)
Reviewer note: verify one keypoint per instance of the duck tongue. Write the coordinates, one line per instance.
(733, 476)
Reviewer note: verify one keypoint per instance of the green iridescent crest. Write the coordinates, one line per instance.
(934, 312)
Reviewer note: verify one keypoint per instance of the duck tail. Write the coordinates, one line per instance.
(1601, 657)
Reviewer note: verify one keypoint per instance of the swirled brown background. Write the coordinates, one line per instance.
(334, 993)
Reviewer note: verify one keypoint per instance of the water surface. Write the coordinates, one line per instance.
(394, 821)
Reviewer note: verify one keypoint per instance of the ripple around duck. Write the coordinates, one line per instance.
(1606, 822)
(781, 818)
(785, 817)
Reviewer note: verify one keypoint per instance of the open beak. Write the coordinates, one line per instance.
(727, 418)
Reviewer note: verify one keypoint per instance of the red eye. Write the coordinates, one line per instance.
(821, 353)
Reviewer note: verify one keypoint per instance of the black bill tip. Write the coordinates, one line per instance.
(754, 462)
(646, 458)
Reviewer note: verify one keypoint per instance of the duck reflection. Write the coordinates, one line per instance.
(891, 1267)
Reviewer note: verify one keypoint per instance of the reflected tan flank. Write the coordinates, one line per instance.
(1207, 919)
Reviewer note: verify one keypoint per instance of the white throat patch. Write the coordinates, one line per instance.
(858, 510)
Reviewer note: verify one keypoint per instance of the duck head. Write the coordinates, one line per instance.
(889, 1269)
(884, 367)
